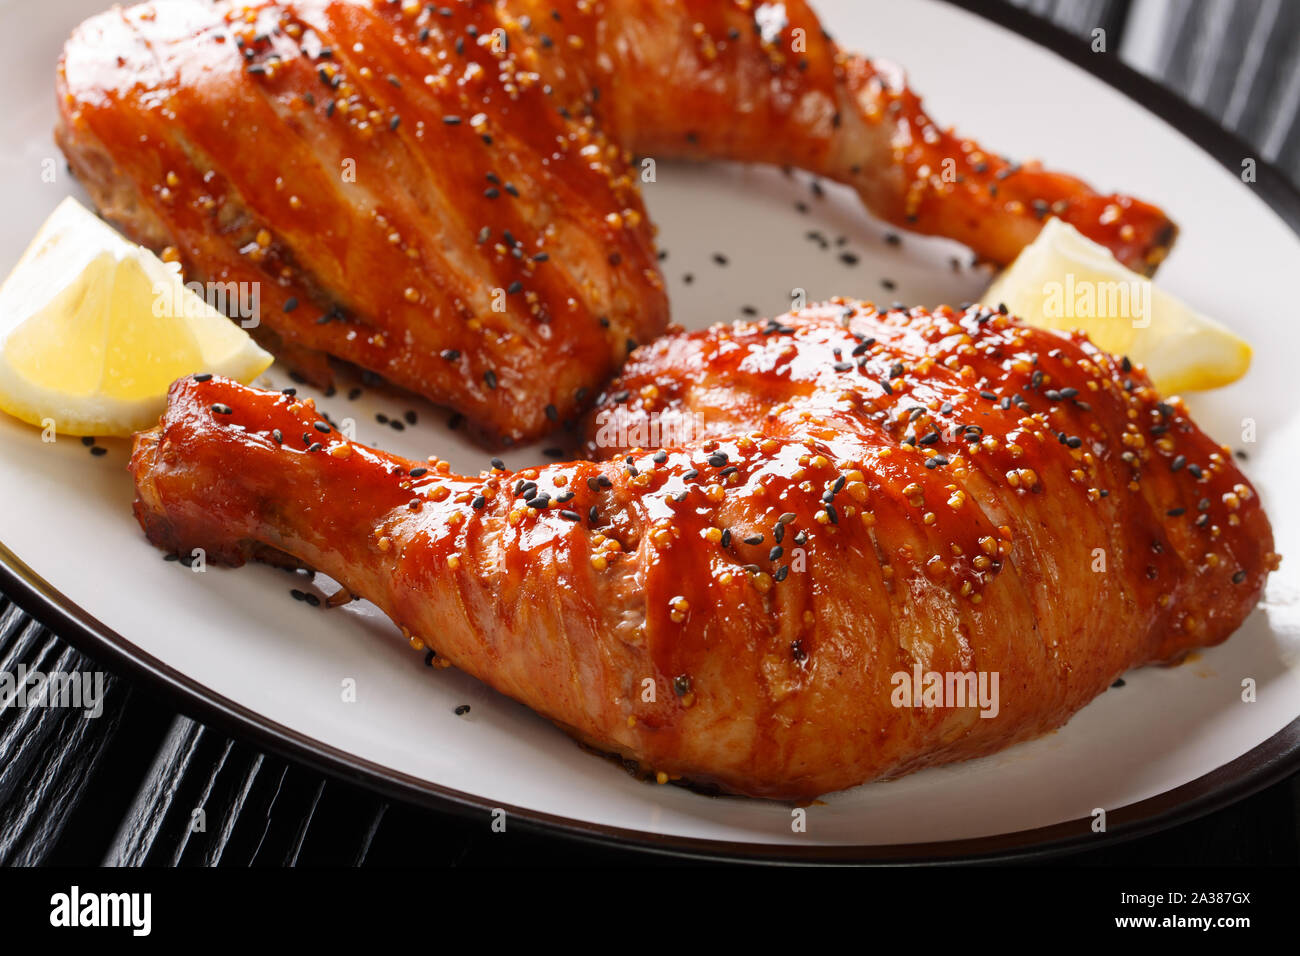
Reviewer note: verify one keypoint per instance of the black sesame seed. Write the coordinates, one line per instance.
(221, 409)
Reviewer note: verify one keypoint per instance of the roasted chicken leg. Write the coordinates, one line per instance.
(847, 496)
(445, 194)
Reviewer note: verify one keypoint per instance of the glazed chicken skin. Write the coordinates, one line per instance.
(446, 195)
(864, 495)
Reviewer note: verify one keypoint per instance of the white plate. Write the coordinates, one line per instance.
(238, 650)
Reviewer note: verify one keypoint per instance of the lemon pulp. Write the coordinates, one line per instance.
(1063, 280)
(94, 328)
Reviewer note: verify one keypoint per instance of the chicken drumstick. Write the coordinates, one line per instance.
(868, 495)
(446, 195)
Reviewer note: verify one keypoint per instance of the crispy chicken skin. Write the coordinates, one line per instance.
(865, 495)
(446, 195)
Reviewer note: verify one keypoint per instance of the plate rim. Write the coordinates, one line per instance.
(1263, 765)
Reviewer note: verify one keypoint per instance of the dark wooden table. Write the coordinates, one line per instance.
(121, 789)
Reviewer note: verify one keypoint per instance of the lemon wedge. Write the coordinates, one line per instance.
(1063, 280)
(94, 328)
